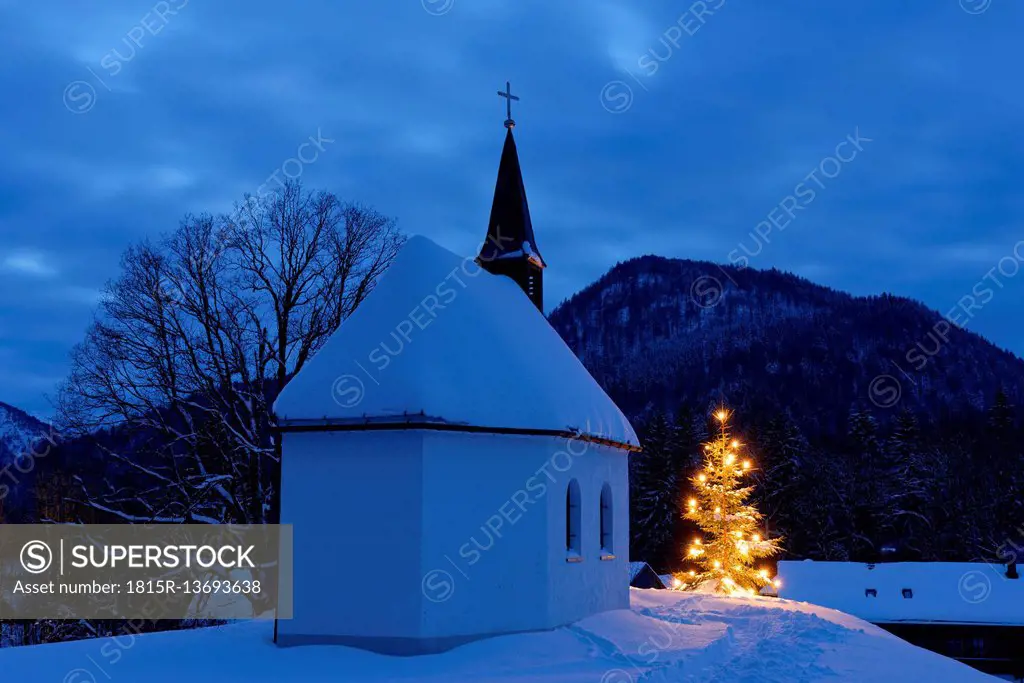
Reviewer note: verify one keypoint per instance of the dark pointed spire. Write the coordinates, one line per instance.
(511, 247)
(510, 230)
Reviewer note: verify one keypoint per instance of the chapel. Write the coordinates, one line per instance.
(446, 432)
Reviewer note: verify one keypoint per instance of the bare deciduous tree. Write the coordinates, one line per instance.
(195, 339)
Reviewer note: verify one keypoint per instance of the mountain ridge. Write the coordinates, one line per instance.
(719, 329)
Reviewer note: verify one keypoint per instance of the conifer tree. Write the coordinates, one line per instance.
(910, 491)
(732, 526)
(654, 494)
(870, 488)
(1001, 444)
(690, 434)
(782, 478)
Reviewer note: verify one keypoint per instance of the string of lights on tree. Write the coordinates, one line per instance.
(726, 558)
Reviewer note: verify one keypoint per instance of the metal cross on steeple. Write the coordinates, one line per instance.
(509, 123)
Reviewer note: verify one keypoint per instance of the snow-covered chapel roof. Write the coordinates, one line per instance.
(440, 340)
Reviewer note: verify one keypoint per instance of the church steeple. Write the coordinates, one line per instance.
(511, 248)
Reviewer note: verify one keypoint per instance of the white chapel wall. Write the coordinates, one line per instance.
(354, 499)
(592, 585)
(484, 522)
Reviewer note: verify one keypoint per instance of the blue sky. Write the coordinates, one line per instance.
(654, 127)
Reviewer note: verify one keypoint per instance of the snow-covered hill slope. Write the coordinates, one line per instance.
(18, 432)
(666, 636)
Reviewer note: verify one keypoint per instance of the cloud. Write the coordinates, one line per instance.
(78, 294)
(968, 254)
(108, 179)
(28, 262)
(627, 33)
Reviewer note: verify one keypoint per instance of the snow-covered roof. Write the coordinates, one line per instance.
(635, 568)
(950, 592)
(442, 339)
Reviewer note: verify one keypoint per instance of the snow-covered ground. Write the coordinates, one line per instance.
(666, 636)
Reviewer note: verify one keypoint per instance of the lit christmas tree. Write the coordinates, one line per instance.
(726, 558)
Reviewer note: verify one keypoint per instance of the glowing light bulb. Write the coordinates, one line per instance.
(763, 573)
(702, 478)
(718, 565)
(721, 415)
(696, 541)
(746, 464)
(693, 502)
(730, 459)
(757, 538)
(734, 443)
(777, 583)
(693, 573)
(718, 510)
(676, 583)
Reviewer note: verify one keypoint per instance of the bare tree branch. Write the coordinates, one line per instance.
(198, 335)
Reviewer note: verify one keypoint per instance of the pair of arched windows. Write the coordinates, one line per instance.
(572, 520)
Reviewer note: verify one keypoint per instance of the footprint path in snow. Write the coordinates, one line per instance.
(763, 645)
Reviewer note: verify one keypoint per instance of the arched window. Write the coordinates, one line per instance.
(572, 519)
(606, 520)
